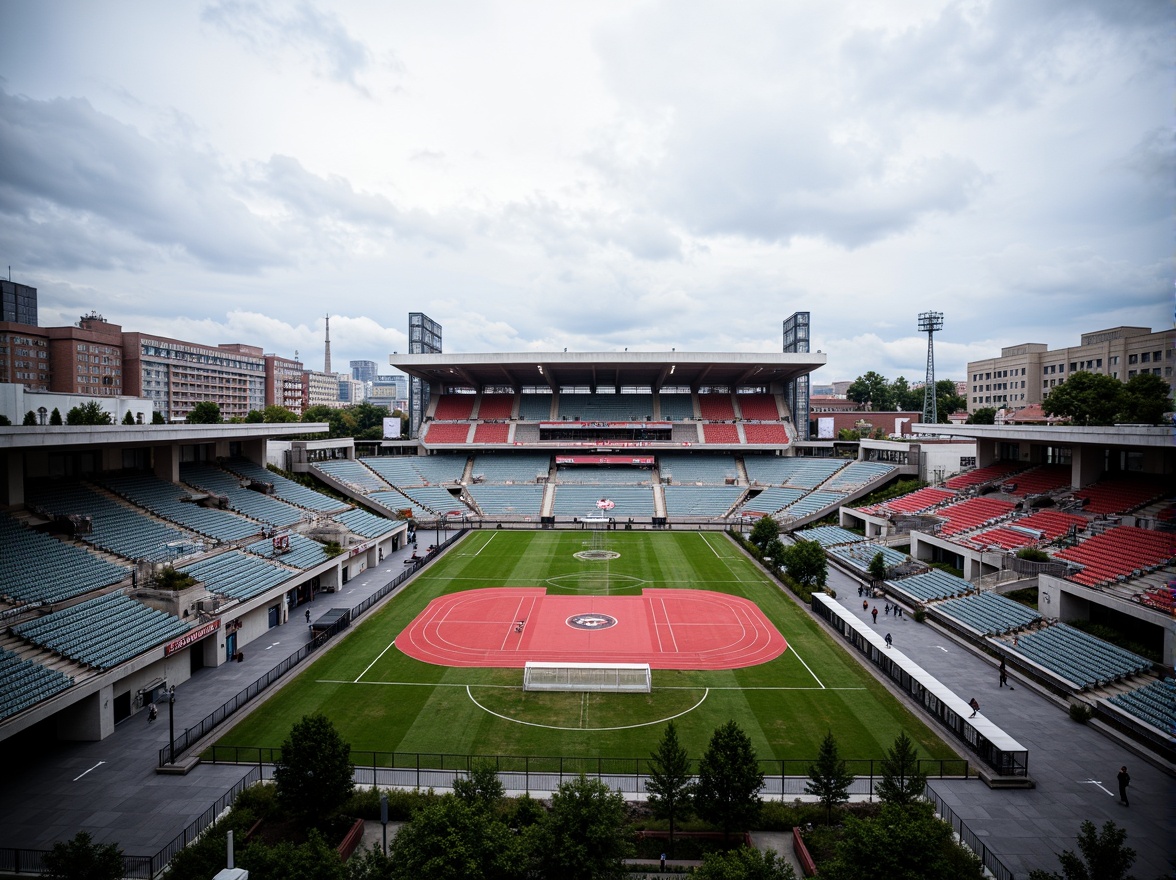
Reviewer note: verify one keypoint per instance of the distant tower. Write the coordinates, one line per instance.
(327, 348)
(929, 322)
(796, 391)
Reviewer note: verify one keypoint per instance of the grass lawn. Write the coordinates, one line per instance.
(382, 700)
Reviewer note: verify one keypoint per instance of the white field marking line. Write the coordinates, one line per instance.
(511, 625)
(705, 692)
(374, 662)
(709, 545)
(437, 684)
(806, 666)
(669, 626)
(737, 688)
(95, 767)
(583, 709)
(487, 544)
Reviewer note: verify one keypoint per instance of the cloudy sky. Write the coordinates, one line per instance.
(593, 175)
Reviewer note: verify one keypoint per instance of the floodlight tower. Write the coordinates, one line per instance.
(929, 322)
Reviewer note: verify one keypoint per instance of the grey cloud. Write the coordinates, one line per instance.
(320, 36)
(108, 192)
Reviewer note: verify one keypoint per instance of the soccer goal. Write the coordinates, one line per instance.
(622, 678)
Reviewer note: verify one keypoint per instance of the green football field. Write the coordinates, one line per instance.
(383, 701)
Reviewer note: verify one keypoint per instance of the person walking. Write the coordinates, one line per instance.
(1004, 673)
(886, 610)
(889, 641)
(152, 714)
(308, 615)
(663, 863)
(975, 704)
(1124, 781)
(865, 604)
(875, 613)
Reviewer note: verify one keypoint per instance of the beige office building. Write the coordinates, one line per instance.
(1023, 374)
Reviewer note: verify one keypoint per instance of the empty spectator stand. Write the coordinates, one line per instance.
(758, 407)
(36, 568)
(981, 476)
(496, 407)
(536, 407)
(717, 408)
(591, 475)
(1120, 495)
(605, 407)
(1118, 553)
(1043, 526)
(581, 501)
(255, 505)
(765, 433)
(1039, 480)
(418, 470)
(396, 501)
(301, 552)
(434, 500)
(974, 513)
(236, 575)
(772, 499)
(676, 407)
(988, 613)
(1161, 598)
(929, 586)
(858, 473)
(115, 527)
(860, 555)
(492, 432)
(829, 536)
(352, 474)
(502, 501)
(710, 469)
(801, 473)
(1076, 657)
(287, 490)
(812, 503)
(700, 501)
(166, 500)
(720, 432)
(366, 525)
(102, 632)
(447, 432)
(511, 467)
(913, 502)
(454, 407)
(24, 683)
(1154, 704)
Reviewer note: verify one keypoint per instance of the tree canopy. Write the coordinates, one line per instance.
(764, 530)
(902, 782)
(313, 775)
(1097, 399)
(873, 389)
(1145, 399)
(986, 415)
(206, 412)
(829, 779)
(582, 837)
(481, 788)
(729, 780)
(454, 839)
(744, 863)
(82, 859)
(884, 396)
(668, 787)
(1105, 856)
(806, 563)
(89, 413)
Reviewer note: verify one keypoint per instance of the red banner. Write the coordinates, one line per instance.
(641, 460)
(190, 637)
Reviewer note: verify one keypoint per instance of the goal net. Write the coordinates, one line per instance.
(624, 678)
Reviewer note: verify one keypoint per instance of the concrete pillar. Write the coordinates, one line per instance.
(165, 462)
(1086, 465)
(89, 719)
(12, 478)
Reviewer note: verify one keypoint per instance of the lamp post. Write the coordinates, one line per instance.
(171, 724)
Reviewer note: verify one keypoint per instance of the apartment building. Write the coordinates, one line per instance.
(283, 383)
(176, 375)
(1024, 374)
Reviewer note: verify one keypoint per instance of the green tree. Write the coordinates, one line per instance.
(744, 863)
(877, 568)
(30, 419)
(313, 776)
(278, 415)
(254, 417)
(1145, 399)
(764, 530)
(312, 860)
(1086, 399)
(156, 418)
(947, 400)
(82, 859)
(668, 786)
(829, 779)
(902, 782)
(55, 417)
(368, 416)
(900, 844)
(128, 419)
(456, 840)
(584, 836)
(206, 412)
(729, 780)
(806, 564)
(89, 413)
(906, 398)
(4, 420)
(1105, 856)
(481, 788)
(872, 388)
(986, 415)
(370, 863)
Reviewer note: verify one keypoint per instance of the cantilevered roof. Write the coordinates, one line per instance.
(608, 369)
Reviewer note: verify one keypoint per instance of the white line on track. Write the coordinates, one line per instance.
(377, 660)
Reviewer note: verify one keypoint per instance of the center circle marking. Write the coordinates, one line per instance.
(592, 621)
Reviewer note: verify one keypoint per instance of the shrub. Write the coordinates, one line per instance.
(1080, 712)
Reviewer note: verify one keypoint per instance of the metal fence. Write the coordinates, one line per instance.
(968, 837)
(189, 737)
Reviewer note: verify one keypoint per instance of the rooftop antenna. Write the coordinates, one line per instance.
(929, 322)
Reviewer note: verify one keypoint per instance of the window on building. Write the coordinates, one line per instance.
(1132, 358)
(1145, 357)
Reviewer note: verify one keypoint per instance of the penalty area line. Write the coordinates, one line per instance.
(377, 660)
(806, 666)
(424, 684)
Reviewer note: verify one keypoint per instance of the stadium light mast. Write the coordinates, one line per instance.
(929, 322)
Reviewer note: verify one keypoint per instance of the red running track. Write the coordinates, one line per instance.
(668, 629)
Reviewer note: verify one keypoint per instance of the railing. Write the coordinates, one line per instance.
(198, 731)
(968, 837)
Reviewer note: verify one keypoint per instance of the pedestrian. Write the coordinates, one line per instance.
(875, 613)
(1004, 673)
(860, 590)
(975, 704)
(152, 714)
(889, 641)
(865, 604)
(1124, 781)
(886, 610)
(308, 615)
(663, 863)
(898, 611)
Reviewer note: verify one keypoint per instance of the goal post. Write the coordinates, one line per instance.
(620, 678)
